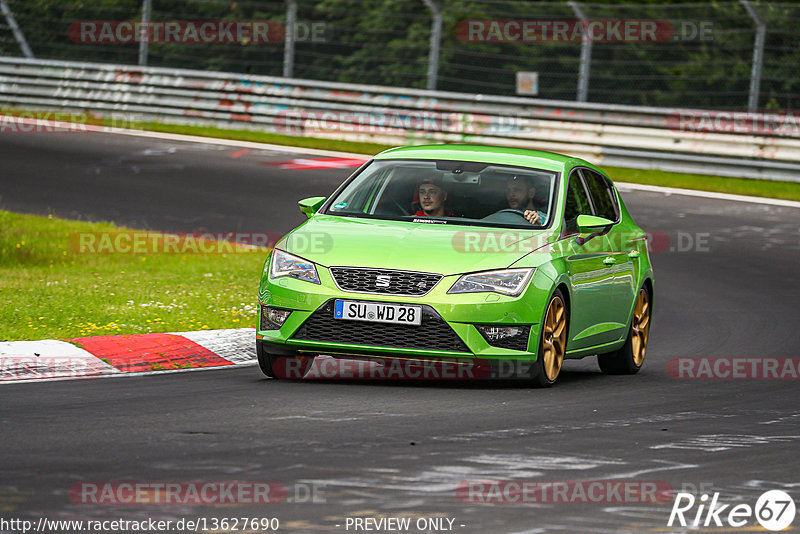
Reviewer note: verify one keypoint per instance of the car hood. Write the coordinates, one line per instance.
(440, 248)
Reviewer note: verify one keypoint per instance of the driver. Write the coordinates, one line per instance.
(520, 192)
(432, 198)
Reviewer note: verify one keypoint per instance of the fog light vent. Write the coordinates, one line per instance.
(506, 337)
(273, 318)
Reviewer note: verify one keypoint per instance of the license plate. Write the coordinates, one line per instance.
(377, 312)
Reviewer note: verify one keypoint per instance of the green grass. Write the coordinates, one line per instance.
(719, 184)
(50, 290)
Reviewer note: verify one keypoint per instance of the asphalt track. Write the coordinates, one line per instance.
(373, 449)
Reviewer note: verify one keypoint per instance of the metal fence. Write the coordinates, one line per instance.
(718, 55)
(727, 144)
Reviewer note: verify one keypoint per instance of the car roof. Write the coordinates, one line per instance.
(522, 157)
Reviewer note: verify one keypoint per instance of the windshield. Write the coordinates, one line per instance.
(449, 192)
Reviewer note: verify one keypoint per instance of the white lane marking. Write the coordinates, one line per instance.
(310, 418)
(558, 428)
(234, 143)
(313, 151)
(724, 442)
(707, 194)
(763, 485)
(512, 462)
(120, 374)
(781, 419)
(668, 466)
(320, 152)
(81, 127)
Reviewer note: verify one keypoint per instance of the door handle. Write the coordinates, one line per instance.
(633, 254)
(609, 260)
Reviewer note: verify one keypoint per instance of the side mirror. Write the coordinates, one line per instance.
(310, 206)
(588, 224)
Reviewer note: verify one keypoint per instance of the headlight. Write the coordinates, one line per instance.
(507, 282)
(284, 264)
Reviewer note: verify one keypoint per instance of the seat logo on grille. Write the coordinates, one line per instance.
(382, 280)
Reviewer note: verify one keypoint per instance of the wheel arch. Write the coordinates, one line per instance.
(647, 282)
(566, 291)
(562, 282)
(563, 286)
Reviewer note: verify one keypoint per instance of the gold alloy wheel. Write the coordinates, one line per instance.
(640, 327)
(554, 338)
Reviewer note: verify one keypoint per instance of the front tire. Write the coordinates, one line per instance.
(265, 362)
(281, 366)
(630, 357)
(552, 342)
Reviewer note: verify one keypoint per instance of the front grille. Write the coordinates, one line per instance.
(384, 281)
(433, 334)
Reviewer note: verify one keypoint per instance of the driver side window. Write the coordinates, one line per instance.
(577, 203)
(602, 193)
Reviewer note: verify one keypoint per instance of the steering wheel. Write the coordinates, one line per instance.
(517, 212)
(512, 210)
(400, 208)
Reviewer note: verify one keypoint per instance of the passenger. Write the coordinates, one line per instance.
(520, 195)
(432, 199)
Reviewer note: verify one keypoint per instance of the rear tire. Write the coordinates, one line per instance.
(552, 342)
(630, 357)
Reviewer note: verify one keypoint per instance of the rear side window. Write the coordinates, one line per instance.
(577, 203)
(602, 195)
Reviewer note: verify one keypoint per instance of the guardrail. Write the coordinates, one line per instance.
(627, 136)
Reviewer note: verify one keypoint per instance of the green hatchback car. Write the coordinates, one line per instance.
(463, 253)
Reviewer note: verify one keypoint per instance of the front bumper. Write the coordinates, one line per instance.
(307, 331)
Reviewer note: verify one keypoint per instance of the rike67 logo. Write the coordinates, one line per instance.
(774, 510)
